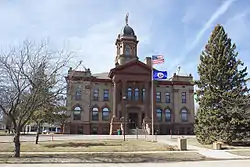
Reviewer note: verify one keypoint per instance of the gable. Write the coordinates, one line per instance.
(134, 67)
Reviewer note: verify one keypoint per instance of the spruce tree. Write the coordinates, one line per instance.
(222, 92)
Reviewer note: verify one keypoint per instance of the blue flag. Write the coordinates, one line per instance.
(158, 75)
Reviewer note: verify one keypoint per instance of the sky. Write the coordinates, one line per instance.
(177, 29)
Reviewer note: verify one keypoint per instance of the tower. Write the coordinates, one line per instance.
(126, 45)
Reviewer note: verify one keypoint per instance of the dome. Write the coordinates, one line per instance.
(127, 31)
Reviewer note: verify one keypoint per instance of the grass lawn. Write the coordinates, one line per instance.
(194, 142)
(2, 133)
(89, 146)
(105, 158)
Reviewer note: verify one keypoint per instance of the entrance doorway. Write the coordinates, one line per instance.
(133, 120)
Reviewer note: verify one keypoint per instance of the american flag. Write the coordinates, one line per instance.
(157, 59)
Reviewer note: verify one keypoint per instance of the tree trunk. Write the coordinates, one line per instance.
(63, 128)
(37, 133)
(16, 141)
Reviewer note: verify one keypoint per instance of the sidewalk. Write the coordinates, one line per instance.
(216, 154)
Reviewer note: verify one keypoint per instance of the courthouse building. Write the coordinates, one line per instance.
(97, 103)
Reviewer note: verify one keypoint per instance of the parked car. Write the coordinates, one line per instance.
(46, 131)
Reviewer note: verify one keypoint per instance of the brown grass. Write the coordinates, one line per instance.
(235, 145)
(89, 146)
(105, 158)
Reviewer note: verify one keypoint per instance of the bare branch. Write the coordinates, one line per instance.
(30, 78)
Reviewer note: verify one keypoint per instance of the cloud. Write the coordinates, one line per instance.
(86, 28)
(237, 28)
(89, 28)
(219, 12)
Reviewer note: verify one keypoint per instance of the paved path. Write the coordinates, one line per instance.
(228, 163)
(78, 137)
(216, 154)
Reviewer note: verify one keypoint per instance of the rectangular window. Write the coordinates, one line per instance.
(78, 95)
(158, 97)
(94, 130)
(182, 131)
(96, 94)
(159, 115)
(143, 94)
(167, 95)
(105, 95)
(80, 129)
(77, 117)
(183, 97)
(136, 94)
(105, 130)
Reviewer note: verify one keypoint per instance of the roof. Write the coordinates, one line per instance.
(132, 62)
(103, 75)
(127, 31)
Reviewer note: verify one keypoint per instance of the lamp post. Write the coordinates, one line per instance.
(124, 98)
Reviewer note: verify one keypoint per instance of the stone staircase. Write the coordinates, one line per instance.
(137, 131)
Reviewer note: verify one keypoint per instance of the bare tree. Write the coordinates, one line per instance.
(60, 117)
(20, 93)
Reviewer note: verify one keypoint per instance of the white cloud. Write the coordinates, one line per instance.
(219, 12)
(238, 30)
(87, 28)
(238, 27)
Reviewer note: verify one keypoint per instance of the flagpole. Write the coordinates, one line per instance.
(152, 97)
(159, 59)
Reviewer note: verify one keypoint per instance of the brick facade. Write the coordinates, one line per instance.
(98, 103)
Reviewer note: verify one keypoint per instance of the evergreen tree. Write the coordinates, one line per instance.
(222, 92)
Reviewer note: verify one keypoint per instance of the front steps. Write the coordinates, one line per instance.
(137, 131)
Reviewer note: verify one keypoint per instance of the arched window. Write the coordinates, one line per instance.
(136, 94)
(105, 114)
(143, 94)
(129, 93)
(167, 115)
(159, 114)
(184, 115)
(95, 114)
(127, 50)
(77, 113)
(96, 94)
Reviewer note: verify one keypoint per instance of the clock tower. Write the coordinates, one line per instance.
(126, 45)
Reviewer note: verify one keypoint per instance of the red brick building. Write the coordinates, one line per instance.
(96, 105)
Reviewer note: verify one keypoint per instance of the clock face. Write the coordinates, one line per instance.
(127, 50)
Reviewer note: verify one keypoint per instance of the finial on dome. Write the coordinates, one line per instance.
(126, 18)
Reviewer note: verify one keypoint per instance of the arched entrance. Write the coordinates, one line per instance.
(134, 117)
